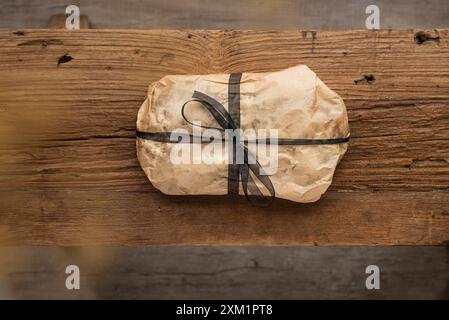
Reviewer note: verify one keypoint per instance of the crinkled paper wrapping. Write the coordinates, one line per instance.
(294, 101)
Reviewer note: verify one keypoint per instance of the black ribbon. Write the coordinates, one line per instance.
(237, 172)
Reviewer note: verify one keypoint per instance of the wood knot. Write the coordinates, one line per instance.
(64, 59)
(367, 78)
(422, 37)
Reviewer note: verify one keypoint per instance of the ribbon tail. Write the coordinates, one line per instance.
(250, 188)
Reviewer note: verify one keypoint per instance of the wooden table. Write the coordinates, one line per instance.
(68, 167)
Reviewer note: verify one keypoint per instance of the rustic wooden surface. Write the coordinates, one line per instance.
(69, 175)
(209, 272)
(236, 14)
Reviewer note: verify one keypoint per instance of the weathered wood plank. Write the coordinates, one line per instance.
(200, 272)
(67, 137)
(145, 216)
(249, 14)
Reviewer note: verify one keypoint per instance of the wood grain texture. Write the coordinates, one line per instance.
(249, 14)
(205, 272)
(69, 173)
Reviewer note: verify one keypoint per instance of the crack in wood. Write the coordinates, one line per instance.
(93, 137)
(428, 163)
(314, 37)
(44, 43)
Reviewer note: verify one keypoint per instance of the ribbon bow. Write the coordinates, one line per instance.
(236, 172)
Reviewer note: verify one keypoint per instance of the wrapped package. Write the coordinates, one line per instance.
(307, 122)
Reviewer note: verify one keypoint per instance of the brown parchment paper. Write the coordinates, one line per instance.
(294, 101)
